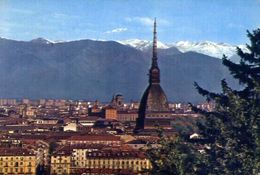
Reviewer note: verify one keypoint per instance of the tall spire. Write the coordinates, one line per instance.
(154, 74)
(154, 58)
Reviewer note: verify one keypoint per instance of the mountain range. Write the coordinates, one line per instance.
(91, 69)
(205, 47)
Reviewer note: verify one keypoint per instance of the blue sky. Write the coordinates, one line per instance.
(193, 20)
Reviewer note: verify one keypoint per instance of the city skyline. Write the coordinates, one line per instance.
(128, 87)
(220, 21)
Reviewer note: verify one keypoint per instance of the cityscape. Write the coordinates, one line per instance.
(62, 112)
(77, 137)
(54, 134)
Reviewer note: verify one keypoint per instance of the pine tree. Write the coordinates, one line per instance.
(174, 156)
(231, 134)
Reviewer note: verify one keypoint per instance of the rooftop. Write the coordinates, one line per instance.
(15, 152)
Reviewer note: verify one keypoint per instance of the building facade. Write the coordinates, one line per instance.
(17, 161)
(61, 163)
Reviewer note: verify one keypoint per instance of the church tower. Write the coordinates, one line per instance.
(154, 104)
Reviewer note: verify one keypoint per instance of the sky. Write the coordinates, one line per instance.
(177, 20)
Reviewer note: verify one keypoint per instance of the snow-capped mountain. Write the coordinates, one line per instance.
(205, 47)
(209, 48)
(42, 41)
(46, 41)
(142, 44)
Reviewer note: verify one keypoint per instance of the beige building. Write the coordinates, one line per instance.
(98, 159)
(70, 127)
(60, 163)
(127, 116)
(133, 161)
(31, 112)
(110, 113)
(79, 153)
(17, 161)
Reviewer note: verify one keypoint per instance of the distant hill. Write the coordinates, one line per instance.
(88, 69)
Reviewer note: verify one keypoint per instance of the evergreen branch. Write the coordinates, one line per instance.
(247, 56)
(239, 71)
(205, 93)
(219, 115)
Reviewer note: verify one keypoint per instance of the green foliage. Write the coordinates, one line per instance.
(173, 156)
(231, 133)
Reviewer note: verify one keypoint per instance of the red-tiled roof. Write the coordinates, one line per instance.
(95, 138)
(110, 154)
(127, 112)
(81, 146)
(15, 152)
